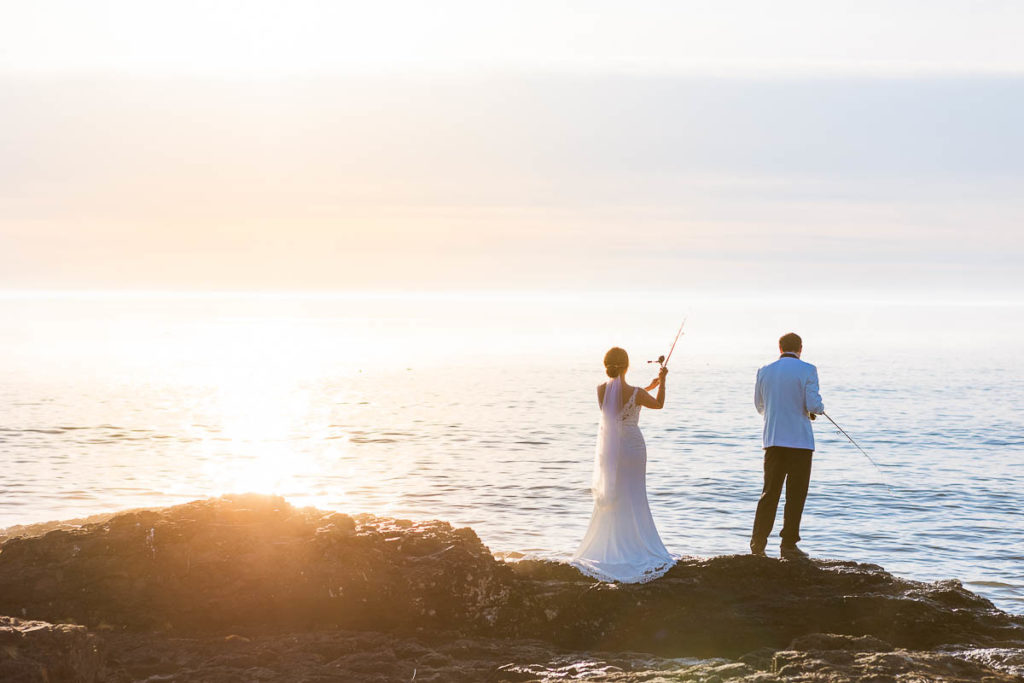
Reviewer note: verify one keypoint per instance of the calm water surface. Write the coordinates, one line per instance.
(481, 410)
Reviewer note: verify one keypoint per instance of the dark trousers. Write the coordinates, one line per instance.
(792, 466)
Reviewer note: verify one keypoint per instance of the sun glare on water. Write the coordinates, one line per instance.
(253, 449)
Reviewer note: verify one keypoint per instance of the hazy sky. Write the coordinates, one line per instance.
(719, 145)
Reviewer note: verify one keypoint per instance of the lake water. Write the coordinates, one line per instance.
(480, 409)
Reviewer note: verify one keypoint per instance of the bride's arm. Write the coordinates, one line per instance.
(648, 401)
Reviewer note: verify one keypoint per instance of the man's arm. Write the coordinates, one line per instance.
(758, 397)
(812, 399)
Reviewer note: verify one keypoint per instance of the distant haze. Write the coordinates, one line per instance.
(250, 146)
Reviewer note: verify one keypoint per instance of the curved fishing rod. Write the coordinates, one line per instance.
(865, 453)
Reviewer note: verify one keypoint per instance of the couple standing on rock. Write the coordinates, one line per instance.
(622, 544)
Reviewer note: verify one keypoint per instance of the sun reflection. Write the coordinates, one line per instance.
(251, 449)
(277, 419)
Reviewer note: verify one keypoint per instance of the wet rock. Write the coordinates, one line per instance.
(333, 655)
(1009, 660)
(38, 651)
(845, 665)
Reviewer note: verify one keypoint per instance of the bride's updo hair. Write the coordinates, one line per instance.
(616, 361)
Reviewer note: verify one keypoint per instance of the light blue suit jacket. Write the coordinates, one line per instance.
(785, 392)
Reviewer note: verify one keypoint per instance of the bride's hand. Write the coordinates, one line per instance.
(657, 380)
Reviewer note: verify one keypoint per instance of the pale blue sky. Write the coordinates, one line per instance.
(728, 145)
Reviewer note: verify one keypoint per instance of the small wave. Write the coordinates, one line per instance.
(77, 495)
(995, 584)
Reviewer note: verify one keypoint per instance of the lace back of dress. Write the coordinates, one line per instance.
(630, 413)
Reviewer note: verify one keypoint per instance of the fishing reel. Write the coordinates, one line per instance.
(657, 380)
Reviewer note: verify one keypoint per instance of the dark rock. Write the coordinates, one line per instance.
(334, 655)
(38, 651)
(761, 658)
(246, 562)
(843, 665)
(1009, 660)
(831, 641)
(726, 606)
(226, 574)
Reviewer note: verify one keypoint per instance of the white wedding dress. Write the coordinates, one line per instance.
(622, 543)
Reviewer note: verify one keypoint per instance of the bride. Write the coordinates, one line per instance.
(622, 543)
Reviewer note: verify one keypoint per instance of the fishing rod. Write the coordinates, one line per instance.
(663, 360)
(865, 453)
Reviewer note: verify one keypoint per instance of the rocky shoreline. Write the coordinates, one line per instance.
(246, 588)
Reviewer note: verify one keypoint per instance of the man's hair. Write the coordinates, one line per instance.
(791, 343)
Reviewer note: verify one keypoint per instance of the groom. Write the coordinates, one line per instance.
(786, 393)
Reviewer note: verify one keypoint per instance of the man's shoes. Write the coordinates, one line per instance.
(757, 547)
(789, 551)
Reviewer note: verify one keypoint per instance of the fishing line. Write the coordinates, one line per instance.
(865, 453)
(674, 342)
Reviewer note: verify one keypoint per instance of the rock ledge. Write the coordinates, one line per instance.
(252, 568)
